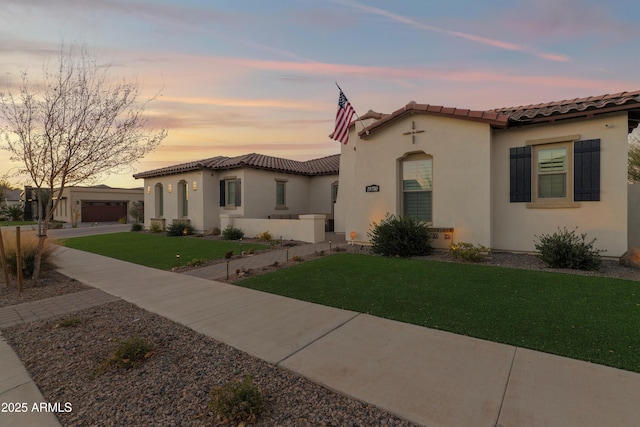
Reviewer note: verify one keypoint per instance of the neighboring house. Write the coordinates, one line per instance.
(497, 178)
(205, 192)
(12, 198)
(88, 204)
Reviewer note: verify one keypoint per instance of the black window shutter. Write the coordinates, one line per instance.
(520, 174)
(586, 170)
(223, 200)
(238, 193)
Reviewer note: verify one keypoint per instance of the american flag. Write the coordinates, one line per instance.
(343, 119)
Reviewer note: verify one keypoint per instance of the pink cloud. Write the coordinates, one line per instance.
(499, 44)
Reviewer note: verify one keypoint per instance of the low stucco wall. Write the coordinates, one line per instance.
(309, 228)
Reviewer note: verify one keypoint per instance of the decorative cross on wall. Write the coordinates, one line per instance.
(413, 132)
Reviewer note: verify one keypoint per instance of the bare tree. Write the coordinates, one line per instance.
(73, 126)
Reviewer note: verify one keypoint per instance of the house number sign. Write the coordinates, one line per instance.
(372, 188)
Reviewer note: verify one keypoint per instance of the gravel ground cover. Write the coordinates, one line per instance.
(171, 387)
(51, 284)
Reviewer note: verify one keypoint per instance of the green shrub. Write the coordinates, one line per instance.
(155, 227)
(564, 249)
(179, 228)
(14, 212)
(237, 401)
(28, 248)
(197, 262)
(400, 236)
(131, 352)
(232, 233)
(228, 255)
(68, 322)
(264, 237)
(122, 220)
(136, 226)
(469, 251)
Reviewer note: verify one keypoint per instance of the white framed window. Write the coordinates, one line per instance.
(417, 187)
(553, 172)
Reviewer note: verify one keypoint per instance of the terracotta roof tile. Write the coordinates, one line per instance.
(572, 107)
(322, 166)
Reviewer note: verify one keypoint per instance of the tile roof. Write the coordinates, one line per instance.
(323, 166)
(490, 117)
(570, 108)
(516, 116)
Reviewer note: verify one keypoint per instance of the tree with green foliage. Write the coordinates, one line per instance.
(74, 125)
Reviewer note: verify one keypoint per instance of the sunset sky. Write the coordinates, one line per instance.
(258, 76)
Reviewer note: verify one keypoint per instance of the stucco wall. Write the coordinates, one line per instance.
(515, 224)
(461, 176)
(633, 219)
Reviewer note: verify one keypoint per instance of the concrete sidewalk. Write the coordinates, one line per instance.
(427, 376)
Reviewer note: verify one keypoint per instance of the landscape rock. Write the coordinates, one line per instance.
(631, 258)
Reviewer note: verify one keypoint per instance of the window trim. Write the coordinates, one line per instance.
(419, 155)
(567, 142)
(283, 205)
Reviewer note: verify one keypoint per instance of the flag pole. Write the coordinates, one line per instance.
(354, 110)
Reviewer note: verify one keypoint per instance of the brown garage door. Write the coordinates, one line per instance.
(103, 211)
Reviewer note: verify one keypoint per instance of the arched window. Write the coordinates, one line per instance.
(159, 201)
(183, 199)
(417, 186)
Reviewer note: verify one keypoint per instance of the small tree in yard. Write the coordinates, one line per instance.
(73, 126)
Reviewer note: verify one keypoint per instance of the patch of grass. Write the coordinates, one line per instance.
(128, 353)
(68, 322)
(154, 250)
(237, 401)
(583, 317)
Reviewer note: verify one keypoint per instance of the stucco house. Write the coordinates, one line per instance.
(218, 191)
(496, 178)
(98, 203)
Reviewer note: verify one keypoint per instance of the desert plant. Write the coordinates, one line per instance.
(565, 249)
(400, 236)
(469, 251)
(179, 228)
(68, 322)
(232, 233)
(122, 220)
(264, 236)
(136, 226)
(130, 352)
(237, 401)
(228, 254)
(155, 227)
(14, 212)
(297, 258)
(28, 248)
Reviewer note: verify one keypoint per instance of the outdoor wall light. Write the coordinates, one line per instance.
(195, 185)
(169, 188)
(148, 190)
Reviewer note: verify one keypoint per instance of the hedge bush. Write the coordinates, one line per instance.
(179, 228)
(565, 249)
(400, 236)
(232, 233)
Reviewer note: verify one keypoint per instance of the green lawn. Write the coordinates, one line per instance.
(589, 318)
(156, 250)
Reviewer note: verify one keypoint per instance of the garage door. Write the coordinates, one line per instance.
(103, 211)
